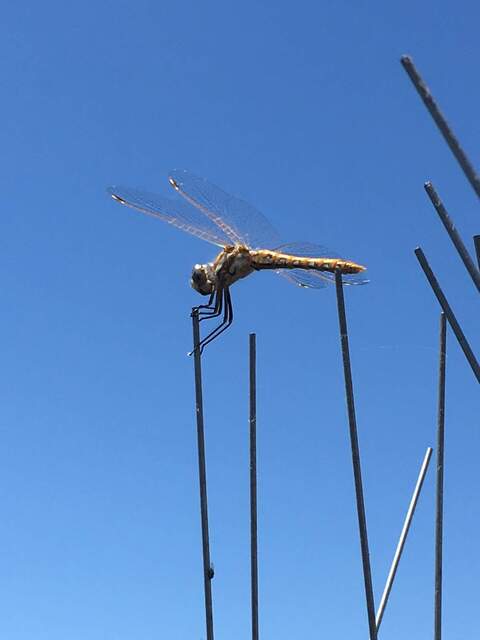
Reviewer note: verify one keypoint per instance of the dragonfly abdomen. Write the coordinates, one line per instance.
(266, 259)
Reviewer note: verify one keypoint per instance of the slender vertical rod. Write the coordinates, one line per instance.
(452, 321)
(357, 473)
(439, 488)
(207, 568)
(253, 484)
(453, 233)
(442, 124)
(476, 240)
(403, 537)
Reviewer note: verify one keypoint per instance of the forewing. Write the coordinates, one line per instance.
(237, 219)
(178, 213)
(310, 278)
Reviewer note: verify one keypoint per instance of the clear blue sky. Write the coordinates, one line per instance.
(304, 110)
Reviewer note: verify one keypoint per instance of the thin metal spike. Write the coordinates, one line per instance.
(207, 566)
(253, 484)
(453, 233)
(439, 488)
(452, 321)
(441, 123)
(357, 473)
(476, 241)
(403, 537)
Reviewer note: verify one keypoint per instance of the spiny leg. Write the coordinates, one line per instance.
(227, 321)
(221, 293)
(209, 307)
(209, 303)
(213, 311)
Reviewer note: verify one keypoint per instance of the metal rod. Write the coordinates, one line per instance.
(403, 537)
(476, 240)
(207, 567)
(357, 473)
(452, 321)
(253, 484)
(439, 488)
(441, 123)
(453, 233)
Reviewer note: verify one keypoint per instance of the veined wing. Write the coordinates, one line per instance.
(178, 213)
(237, 219)
(309, 278)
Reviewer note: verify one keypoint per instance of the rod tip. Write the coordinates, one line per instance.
(174, 183)
(118, 198)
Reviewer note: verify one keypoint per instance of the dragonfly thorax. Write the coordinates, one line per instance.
(231, 264)
(203, 279)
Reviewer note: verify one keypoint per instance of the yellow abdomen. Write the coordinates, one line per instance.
(266, 259)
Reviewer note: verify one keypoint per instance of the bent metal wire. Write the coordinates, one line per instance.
(247, 239)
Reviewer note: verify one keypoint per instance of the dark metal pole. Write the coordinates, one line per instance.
(476, 240)
(441, 123)
(253, 485)
(439, 489)
(453, 233)
(207, 568)
(452, 321)
(403, 537)
(357, 473)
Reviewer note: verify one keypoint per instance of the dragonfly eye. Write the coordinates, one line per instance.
(200, 280)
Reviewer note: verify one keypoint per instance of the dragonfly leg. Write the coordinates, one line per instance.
(226, 322)
(227, 318)
(215, 310)
(208, 305)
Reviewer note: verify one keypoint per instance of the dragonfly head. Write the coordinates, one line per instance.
(203, 279)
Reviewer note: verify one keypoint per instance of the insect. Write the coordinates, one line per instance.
(248, 243)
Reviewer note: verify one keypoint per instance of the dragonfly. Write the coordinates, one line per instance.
(248, 243)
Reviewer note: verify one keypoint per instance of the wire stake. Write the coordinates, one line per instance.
(453, 233)
(253, 484)
(403, 537)
(357, 472)
(439, 488)
(442, 124)
(207, 567)
(452, 321)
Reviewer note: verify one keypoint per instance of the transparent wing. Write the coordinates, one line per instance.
(302, 278)
(240, 221)
(309, 278)
(176, 212)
